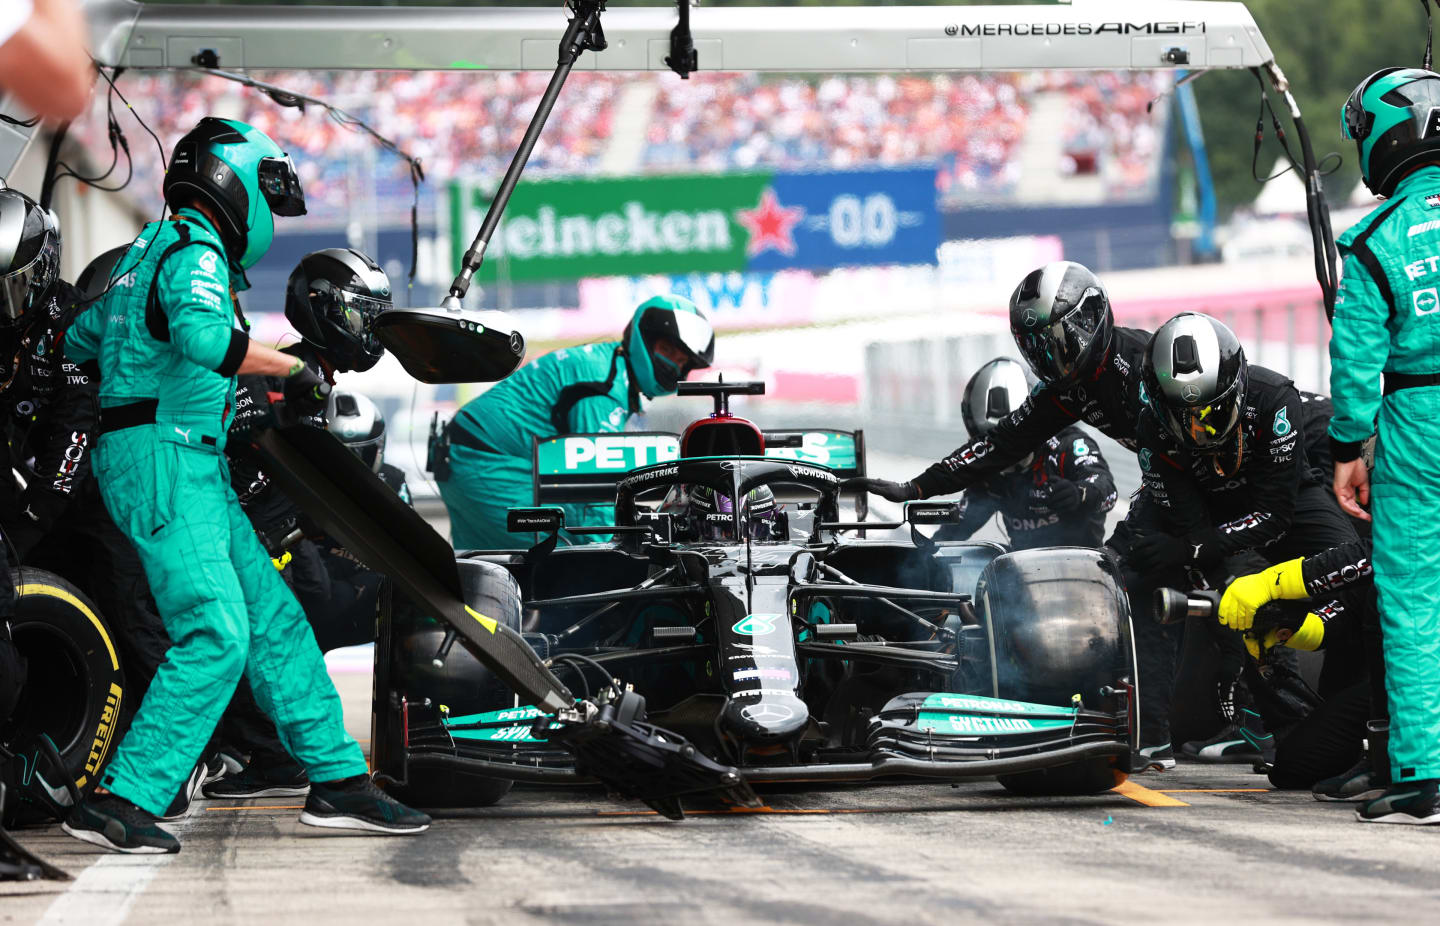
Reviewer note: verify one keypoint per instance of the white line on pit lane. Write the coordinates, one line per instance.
(104, 893)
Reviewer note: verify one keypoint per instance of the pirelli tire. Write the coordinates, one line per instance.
(75, 684)
(406, 644)
(1059, 624)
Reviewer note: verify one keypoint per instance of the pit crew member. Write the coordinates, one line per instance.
(486, 469)
(1088, 368)
(1057, 496)
(1384, 324)
(169, 341)
(1224, 486)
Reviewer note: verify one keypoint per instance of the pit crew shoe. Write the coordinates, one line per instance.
(1159, 758)
(180, 807)
(1234, 743)
(356, 804)
(253, 781)
(1355, 784)
(111, 822)
(1408, 802)
(222, 762)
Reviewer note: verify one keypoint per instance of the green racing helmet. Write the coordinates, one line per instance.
(242, 177)
(674, 319)
(1394, 119)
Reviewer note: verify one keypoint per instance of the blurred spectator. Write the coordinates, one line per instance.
(467, 124)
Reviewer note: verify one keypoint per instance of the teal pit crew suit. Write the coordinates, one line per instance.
(1387, 319)
(577, 390)
(167, 396)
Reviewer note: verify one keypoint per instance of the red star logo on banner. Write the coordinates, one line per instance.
(770, 225)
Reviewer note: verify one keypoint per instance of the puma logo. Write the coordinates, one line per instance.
(184, 433)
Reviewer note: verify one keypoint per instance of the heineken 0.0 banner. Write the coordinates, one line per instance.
(569, 229)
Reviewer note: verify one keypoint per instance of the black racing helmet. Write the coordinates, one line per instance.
(332, 299)
(29, 255)
(712, 515)
(358, 423)
(997, 389)
(1195, 376)
(1060, 316)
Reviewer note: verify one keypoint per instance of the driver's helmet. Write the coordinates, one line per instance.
(1194, 376)
(242, 177)
(1392, 119)
(1062, 323)
(712, 514)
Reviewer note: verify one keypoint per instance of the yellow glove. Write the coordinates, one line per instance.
(281, 561)
(1308, 637)
(1247, 594)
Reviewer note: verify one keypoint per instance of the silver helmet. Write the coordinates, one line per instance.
(358, 423)
(997, 389)
(1194, 376)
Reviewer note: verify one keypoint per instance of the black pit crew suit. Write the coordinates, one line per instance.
(1109, 401)
(1033, 512)
(1269, 508)
(1340, 582)
(58, 521)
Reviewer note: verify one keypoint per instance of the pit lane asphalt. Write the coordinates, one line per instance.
(1224, 847)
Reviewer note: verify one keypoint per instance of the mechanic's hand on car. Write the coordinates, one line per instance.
(890, 491)
(1247, 594)
(305, 390)
(1153, 551)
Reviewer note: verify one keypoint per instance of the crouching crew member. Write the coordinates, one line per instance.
(1058, 495)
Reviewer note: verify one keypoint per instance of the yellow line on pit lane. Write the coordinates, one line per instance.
(1213, 790)
(1143, 795)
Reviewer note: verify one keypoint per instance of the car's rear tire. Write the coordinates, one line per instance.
(75, 684)
(405, 644)
(1092, 776)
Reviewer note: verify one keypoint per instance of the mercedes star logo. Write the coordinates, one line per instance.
(1190, 393)
(1030, 318)
(766, 713)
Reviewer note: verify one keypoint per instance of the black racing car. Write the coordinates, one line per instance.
(803, 651)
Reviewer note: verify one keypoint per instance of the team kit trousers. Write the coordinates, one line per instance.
(228, 612)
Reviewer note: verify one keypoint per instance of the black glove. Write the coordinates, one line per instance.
(306, 392)
(1066, 495)
(1154, 551)
(890, 491)
(252, 411)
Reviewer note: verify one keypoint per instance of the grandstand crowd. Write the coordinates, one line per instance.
(468, 124)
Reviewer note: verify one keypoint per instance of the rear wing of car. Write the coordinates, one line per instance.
(585, 468)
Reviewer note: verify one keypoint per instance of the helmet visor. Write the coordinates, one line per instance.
(18, 288)
(280, 186)
(1056, 351)
(1206, 427)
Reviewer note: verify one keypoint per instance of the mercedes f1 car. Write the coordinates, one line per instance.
(809, 650)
